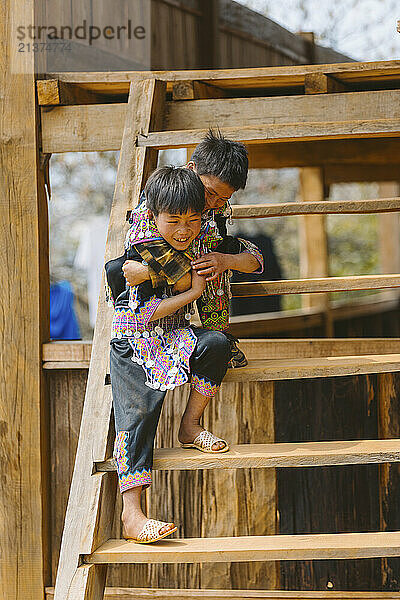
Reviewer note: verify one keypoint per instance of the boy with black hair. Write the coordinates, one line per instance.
(154, 348)
(222, 166)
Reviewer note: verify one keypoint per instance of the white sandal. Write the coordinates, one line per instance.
(205, 441)
(150, 532)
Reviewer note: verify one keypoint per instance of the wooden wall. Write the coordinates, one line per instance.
(185, 34)
(259, 501)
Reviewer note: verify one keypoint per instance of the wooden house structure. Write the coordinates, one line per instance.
(269, 524)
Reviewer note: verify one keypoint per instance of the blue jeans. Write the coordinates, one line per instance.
(137, 407)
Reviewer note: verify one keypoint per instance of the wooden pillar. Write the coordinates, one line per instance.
(24, 308)
(389, 234)
(313, 242)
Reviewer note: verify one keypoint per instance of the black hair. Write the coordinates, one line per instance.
(223, 158)
(175, 190)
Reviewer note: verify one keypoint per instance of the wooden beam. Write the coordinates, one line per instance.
(320, 83)
(276, 110)
(258, 211)
(71, 351)
(251, 548)
(321, 284)
(25, 538)
(250, 78)
(81, 128)
(313, 242)
(257, 456)
(266, 134)
(389, 234)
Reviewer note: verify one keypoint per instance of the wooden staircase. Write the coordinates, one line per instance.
(155, 118)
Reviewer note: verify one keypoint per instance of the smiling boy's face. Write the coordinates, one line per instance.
(178, 230)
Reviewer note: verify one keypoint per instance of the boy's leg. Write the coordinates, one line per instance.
(136, 413)
(209, 363)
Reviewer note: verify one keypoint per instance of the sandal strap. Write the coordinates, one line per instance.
(151, 529)
(206, 440)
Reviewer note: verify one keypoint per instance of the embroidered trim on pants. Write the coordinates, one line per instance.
(204, 386)
(127, 477)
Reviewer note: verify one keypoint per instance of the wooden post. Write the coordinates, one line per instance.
(389, 234)
(24, 306)
(313, 242)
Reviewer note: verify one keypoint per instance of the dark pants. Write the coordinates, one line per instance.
(137, 407)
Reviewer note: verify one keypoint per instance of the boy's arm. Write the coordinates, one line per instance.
(236, 254)
(169, 306)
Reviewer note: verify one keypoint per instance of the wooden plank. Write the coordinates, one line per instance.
(330, 366)
(275, 110)
(66, 129)
(290, 132)
(256, 348)
(251, 548)
(116, 593)
(25, 528)
(90, 508)
(252, 456)
(279, 369)
(318, 284)
(258, 211)
(248, 78)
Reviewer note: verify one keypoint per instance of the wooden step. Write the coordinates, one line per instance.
(330, 366)
(250, 548)
(301, 454)
(117, 593)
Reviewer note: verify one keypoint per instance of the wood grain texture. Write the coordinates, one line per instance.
(255, 548)
(306, 454)
(389, 423)
(73, 351)
(118, 593)
(246, 78)
(257, 211)
(316, 284)
(25, 535)
(328, 499)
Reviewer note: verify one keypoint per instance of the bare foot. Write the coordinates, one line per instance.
(189, 431)
(133, 523)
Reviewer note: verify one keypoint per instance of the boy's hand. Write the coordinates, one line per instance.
(135, 272)
(184, 283)
(198, 284)
(211, 265)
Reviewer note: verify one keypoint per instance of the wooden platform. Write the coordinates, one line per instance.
(250, 548)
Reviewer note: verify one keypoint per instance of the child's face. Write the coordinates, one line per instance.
(178, 230)
(217, 192)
